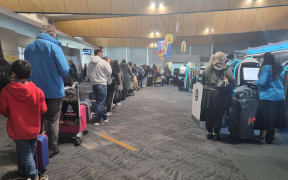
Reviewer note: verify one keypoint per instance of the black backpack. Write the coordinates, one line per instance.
(5, 73)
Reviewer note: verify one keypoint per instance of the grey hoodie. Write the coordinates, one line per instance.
(99, 71)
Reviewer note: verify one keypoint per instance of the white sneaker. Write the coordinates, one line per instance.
(96, 124)
(106, 121)
(109, 113)
(113, 105)
(119, 104)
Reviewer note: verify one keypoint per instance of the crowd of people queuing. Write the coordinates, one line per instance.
(113, 82)
(32, 101)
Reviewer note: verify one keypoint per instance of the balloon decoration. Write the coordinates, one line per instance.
(183, 46)
(164, 47)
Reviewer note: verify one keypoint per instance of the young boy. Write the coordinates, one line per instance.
(23, 103)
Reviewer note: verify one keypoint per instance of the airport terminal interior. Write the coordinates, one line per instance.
(144, 89)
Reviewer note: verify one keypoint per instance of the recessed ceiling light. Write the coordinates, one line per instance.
(152, 5)
(207, 30)
(161, 6)
(157, 33)
(212, 30)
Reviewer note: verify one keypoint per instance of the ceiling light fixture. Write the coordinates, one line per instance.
(152, 5)
(157, 33)
(209, 30)
(161, 6)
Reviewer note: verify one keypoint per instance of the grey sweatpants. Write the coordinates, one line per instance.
(50, 122)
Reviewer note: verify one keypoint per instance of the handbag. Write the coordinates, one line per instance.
(223, 85)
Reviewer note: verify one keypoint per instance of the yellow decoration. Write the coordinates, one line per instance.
(10, 58)
(162, 57)
(169, 38)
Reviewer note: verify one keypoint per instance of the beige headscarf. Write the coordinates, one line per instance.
(48, 29)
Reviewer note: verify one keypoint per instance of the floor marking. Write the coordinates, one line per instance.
(117, 142)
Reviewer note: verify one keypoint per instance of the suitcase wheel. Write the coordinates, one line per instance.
(77, 141)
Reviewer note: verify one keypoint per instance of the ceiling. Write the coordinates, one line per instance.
(131, 22)
(189, 25)
(130, 7)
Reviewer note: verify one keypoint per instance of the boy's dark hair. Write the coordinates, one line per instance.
(98, 50)
(22, 69)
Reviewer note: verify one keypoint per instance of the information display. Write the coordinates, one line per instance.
(250, 74)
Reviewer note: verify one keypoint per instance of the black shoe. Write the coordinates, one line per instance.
(216, 137)
(54, 153)
(209, 136)
(93, 119)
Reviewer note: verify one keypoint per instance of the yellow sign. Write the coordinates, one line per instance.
(169, 38)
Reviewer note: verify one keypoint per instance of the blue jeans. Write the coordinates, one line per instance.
(25, 155)
(100, 92)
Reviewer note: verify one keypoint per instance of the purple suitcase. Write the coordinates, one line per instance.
(41, 153)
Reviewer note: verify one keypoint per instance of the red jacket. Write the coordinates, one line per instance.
(23, 104)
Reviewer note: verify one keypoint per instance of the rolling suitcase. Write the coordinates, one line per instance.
(41, 153)
(87, 104)
(242, 113)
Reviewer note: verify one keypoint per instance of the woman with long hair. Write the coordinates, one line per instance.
(215, 102)
(270, 114)
(116, 68)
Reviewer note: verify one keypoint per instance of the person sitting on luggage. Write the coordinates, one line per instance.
(270, 113)
(23, 103)
(215, 102)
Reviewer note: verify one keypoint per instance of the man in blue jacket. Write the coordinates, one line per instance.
(49, 67)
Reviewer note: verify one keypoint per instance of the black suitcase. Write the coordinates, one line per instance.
(5, 73)
(242, 113)
(149, 81)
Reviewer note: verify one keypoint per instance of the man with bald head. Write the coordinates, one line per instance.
(49, 67)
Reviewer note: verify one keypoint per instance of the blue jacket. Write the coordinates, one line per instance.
(269, 88)
(49, 65)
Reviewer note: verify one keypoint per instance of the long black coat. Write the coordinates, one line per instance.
(128, 75)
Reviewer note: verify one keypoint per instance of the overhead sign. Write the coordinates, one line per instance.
(86, 51)
(268, 48)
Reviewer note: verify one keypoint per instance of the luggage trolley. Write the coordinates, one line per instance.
(73, 121)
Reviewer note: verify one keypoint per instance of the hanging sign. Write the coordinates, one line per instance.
(164, 47)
